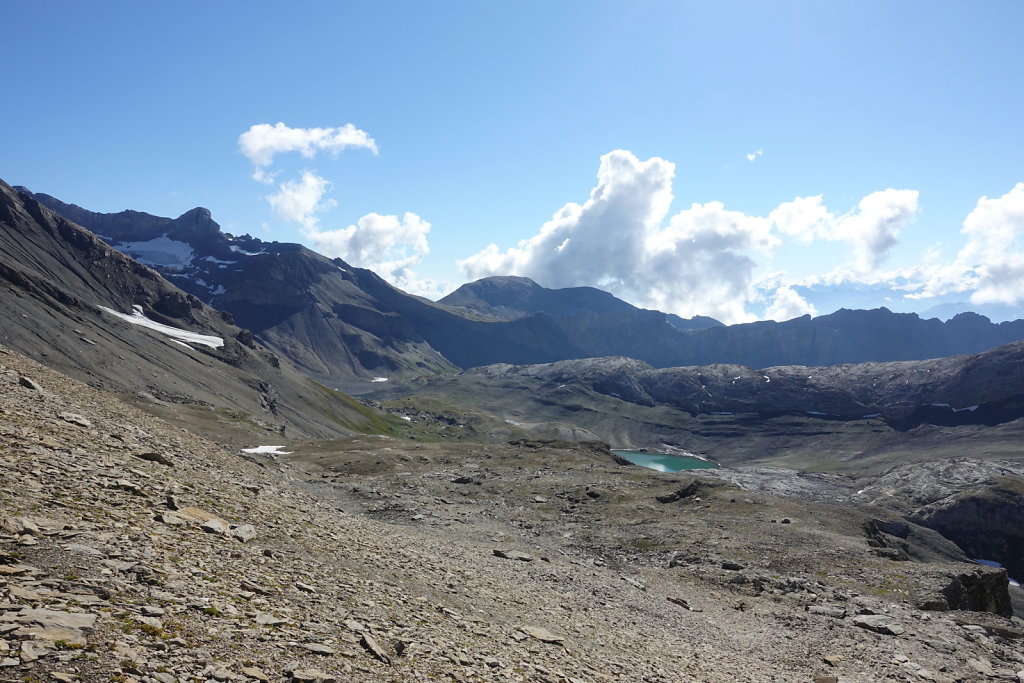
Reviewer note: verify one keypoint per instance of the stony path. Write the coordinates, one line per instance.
(131, 550)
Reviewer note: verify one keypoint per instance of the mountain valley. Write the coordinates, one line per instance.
(189, 496)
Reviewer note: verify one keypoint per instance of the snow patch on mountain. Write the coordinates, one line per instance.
(137, 317)
(159, 251)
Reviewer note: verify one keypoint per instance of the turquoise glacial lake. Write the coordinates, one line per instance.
(666, 463)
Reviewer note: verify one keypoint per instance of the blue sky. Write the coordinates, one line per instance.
(489, 117)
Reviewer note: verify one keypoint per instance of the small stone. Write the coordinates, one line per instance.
(542, 634)
(75, 419)
(311, 676)
(151, 456)
(63, 677)
(84, 549)
(732, 566)
(376, 650)
(129, 486)
(879, 623)
(32, 651)
(305, 587)
(151, 611)
(682, 602)
(635, 583)
(264, 619)
(318, 649)
(513, 555)
(29, 383)
(243, 532)
(215, 525)
(833, 611)
(253, 672)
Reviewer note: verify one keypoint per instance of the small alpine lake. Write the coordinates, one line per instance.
(663, 462)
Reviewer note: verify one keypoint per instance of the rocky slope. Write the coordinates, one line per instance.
(865, 417)
(133, 551)
(986, 387)
(70, 300)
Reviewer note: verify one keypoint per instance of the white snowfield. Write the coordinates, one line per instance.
(273, 450)
(160, 251)
(137, 317)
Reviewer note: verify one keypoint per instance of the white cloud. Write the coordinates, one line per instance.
(262, 142)
(699, 263)
(300, 200)
(805, 218)
(788, 304)
(995, 247)
(872, 229)
(990, 265)
(388, 245)
(701, 260)
(752, 157)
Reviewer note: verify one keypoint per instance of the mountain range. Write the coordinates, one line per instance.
(76, 304)
(341, 323)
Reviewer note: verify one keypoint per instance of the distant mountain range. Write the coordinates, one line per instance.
(341, 323)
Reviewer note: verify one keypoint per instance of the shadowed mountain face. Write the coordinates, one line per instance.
(54, 278)
(338, 322)
(510, 297)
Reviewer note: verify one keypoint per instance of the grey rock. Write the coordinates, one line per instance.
(152, 456)
(29, 383)
(318, 649)
(879, 623)
(368, 642)
(513, 555)
(542, 634)
(264, 619)
(243, 532)
(311, 676)
(215, 526)
(76, 419)
(53, 625)
(833, 611)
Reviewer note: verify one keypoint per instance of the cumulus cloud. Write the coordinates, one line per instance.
(702, 260)
(388, 245)
(617, 240)
(872, 229)
(990, 265)
(788, 304)
(300, 200)
(262, 142)
(995, 248)
(752, 157)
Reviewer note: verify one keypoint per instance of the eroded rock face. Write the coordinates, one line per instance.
(987, 522)
(980, 590)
